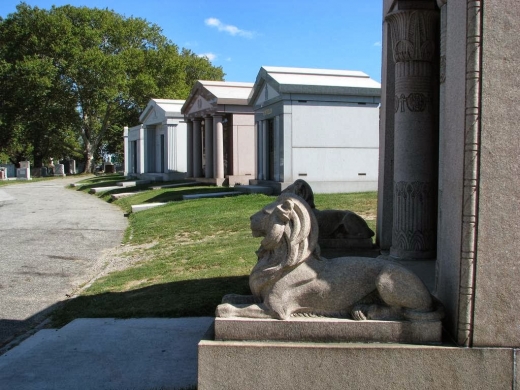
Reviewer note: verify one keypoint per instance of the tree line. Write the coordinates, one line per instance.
(72, 77)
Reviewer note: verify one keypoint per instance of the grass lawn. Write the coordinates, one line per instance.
(184, 256)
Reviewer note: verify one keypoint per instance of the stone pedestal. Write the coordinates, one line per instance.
(413, 35)
(302, 329)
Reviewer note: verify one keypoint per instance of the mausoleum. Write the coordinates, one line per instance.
(320, 125)
(221, 142)
(156, 149)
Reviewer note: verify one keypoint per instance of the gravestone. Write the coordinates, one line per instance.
(72, 167)
(10, 169)
(24, 172)
(109, 168)
(59, 170)
(50, 167)
(3, 173)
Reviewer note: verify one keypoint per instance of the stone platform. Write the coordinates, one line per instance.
(327, 330)
(254, 365)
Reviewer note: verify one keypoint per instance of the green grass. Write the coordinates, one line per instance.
(198, 251)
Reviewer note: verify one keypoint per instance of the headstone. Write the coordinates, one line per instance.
(110, 168)
(72, 167)
(44, 172)
(3, 173)
(59, 170)
(24, 172)
(51, 167)
(10, 169)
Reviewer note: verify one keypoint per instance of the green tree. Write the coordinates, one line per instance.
(78, 70)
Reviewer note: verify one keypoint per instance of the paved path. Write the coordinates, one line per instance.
(51, 241)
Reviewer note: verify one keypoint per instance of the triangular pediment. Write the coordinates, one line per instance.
(199, 104)
(266, 93)
(153, 115)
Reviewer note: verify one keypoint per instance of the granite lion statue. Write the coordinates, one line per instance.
(292, 279)
(332, 223)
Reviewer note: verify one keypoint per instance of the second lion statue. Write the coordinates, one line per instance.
(291, 278)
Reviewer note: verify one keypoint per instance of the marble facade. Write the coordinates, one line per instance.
(220, 144)
(156, 149)
(305, 116)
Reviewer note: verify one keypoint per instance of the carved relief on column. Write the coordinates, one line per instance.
(414, 230)
(413, 34)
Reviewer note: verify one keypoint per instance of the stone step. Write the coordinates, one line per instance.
(97, 190)
(252, 189)
(133, 183)
(211, 195)
(187, 184)
(145, 206)
(123, 195)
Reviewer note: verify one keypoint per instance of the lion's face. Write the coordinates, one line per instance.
(270, 222)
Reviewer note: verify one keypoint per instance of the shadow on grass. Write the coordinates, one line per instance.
(100, 181)
(189, 298)
(174, 196)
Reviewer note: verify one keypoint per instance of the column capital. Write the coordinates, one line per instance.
(413, 34)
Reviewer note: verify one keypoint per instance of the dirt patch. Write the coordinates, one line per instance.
(117, 259)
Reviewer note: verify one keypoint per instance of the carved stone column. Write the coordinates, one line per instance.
(413, 34)
(189, 150)
(208, 142)
(218, 139)
(197, 148)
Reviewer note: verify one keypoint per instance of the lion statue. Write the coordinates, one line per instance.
(332, 223)
(291, 278)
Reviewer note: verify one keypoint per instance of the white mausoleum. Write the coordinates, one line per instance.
(221, 136)
(319, 125)
(156, 149)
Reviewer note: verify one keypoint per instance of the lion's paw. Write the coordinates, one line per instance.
(359, 313)
(225, 310)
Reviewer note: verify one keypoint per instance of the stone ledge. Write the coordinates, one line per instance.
(328, 330)
(257, 365)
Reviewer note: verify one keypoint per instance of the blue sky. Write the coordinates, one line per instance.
(243, 35)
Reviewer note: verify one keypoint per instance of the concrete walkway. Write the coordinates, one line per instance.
(92, 354)
(51, 242)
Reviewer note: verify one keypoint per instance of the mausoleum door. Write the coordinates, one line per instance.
(162, 153)
(133, 151)
(228, 148)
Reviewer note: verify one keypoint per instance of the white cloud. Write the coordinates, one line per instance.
(228, 59)
(378, 44)
(230, 29)
(209, 56)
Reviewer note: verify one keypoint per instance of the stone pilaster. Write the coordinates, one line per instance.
(413, 36)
